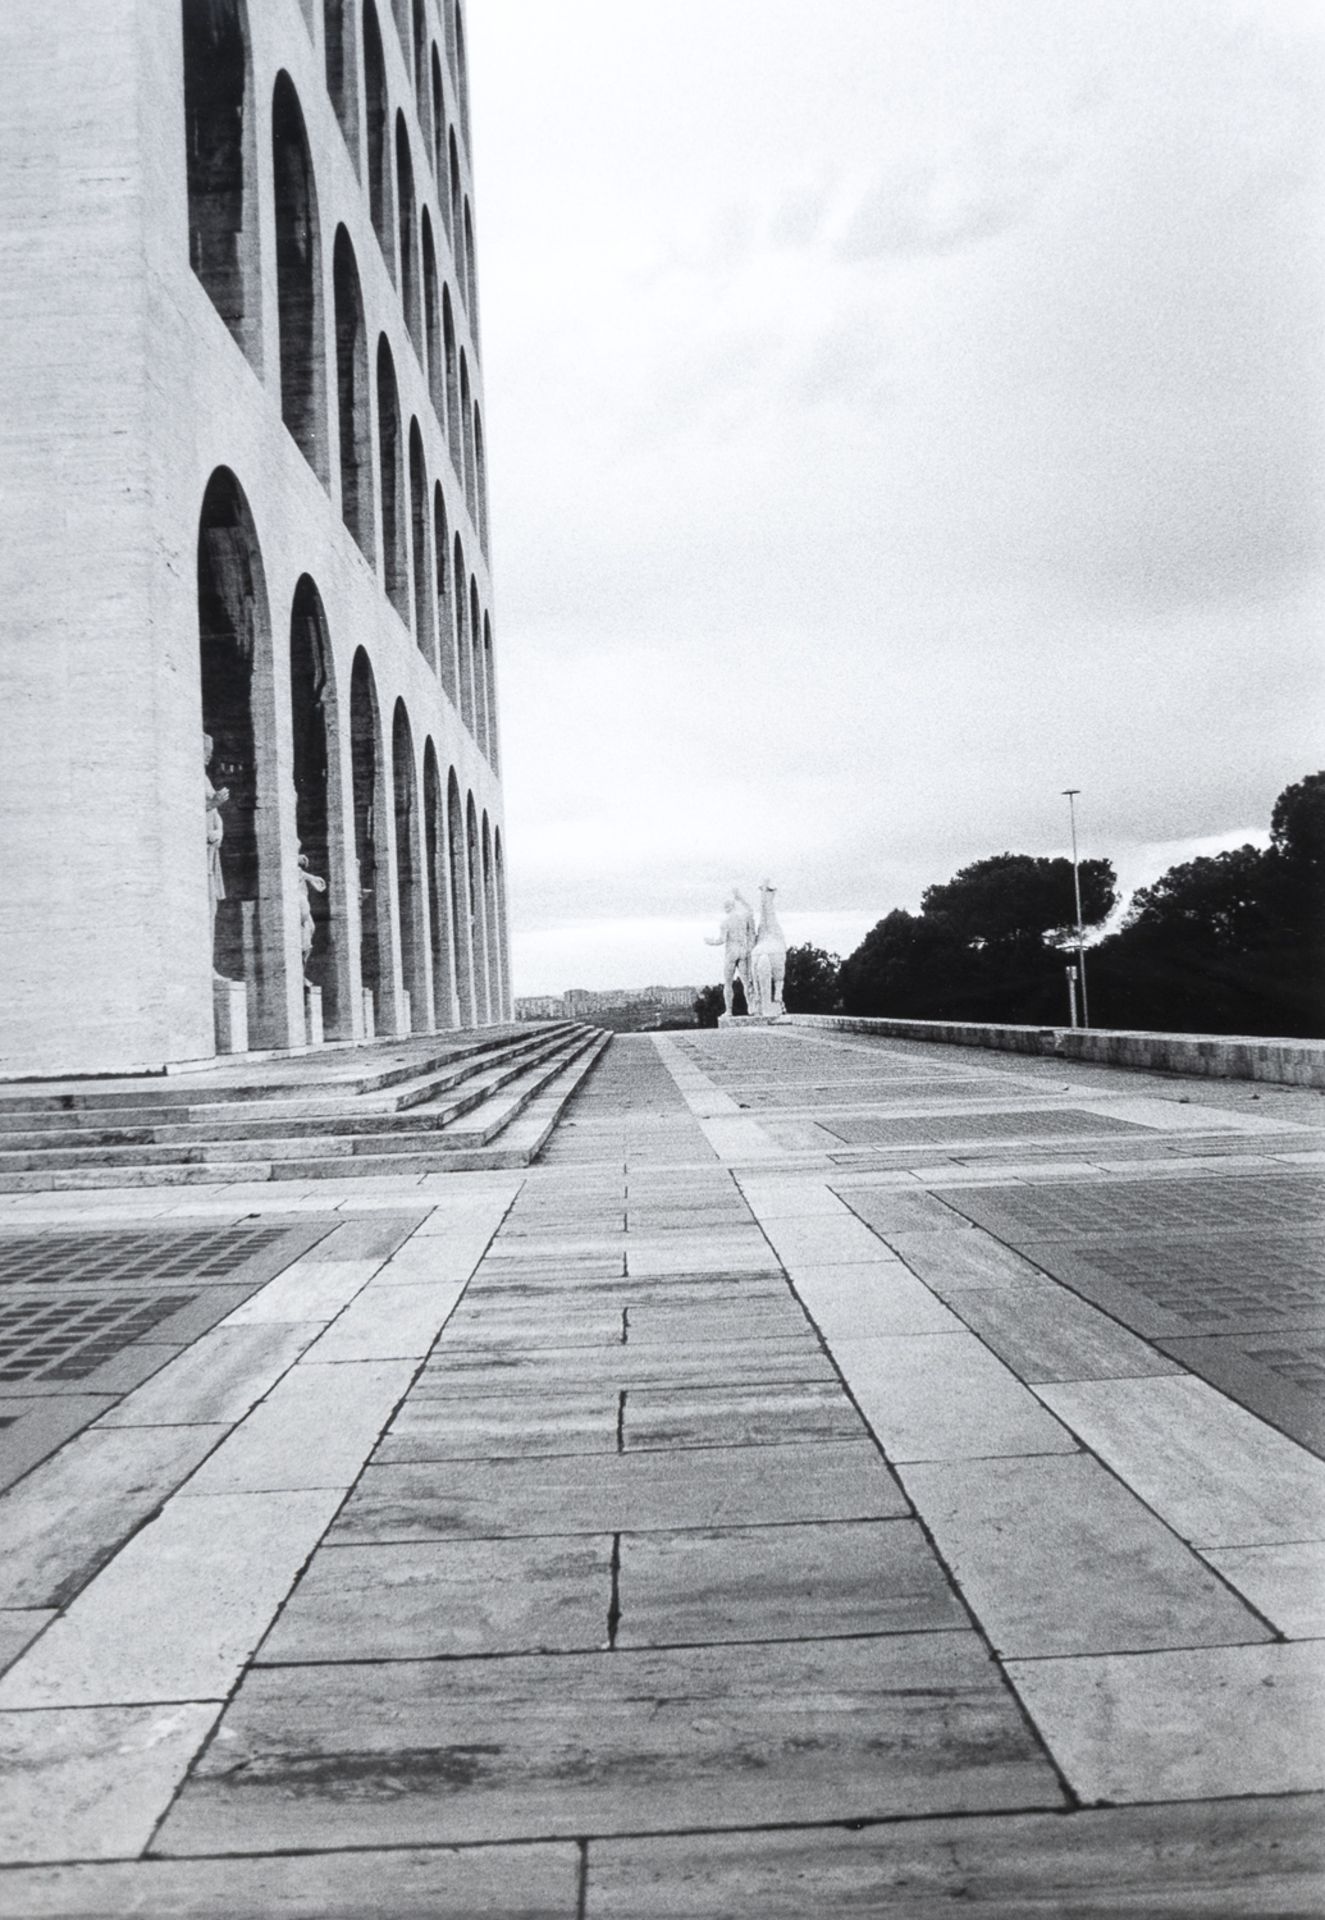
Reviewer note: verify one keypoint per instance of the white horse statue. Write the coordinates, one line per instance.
(770, 955)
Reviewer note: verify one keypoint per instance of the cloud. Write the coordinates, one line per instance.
(935, 204)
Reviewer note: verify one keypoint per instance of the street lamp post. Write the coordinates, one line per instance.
(1070, 795)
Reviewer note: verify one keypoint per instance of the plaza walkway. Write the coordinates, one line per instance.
(842, 1478)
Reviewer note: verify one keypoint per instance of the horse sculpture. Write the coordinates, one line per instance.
(769, 957)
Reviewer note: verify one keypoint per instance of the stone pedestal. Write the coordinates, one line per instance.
(369, 1015)
(747, 1019)
(230, 1013)
(313, 1014)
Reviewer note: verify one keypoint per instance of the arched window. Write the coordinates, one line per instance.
(432, 324)
(480, 727)
(495, 993)
(298, 279)
(454, 217)
(379, 134)
(409, 873)
(467, 438)
(218, 141)
(391, 483)
(453, 440)
(237, 677)
(338, 58)
(471, 283)
(461, 73)
(490, 685)
(439, 915)
(464, 652)
(424, 632)
(480, 480)
(478, 931)
(352, 395)
(317, 818)
(368, 776)
(445, 613)
(420, 58)
(461, 928)
(438, 128)
(503, 936)
(409, 262)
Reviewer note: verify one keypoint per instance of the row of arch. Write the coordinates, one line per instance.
(224, 254)
(409, 931)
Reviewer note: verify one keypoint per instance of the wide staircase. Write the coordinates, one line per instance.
(431, 1104)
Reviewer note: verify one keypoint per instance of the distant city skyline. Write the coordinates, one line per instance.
(896, 418)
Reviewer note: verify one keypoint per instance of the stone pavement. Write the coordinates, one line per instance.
(843, 1477)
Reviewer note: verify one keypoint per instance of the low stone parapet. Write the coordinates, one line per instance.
(1218, 1056)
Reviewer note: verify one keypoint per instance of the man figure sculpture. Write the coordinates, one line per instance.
(736, 937)
(214, 798)
(309, 884)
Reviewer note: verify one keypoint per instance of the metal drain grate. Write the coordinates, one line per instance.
(69, 1337)
(133, 1258)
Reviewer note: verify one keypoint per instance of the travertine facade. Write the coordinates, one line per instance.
(243, 495)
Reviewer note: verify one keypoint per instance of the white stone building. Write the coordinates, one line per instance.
(243, 495)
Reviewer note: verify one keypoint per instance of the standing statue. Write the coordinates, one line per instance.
(214, 798)
(736, 938)
(770, 955)
(309, 884)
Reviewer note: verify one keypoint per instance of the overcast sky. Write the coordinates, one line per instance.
(899, 411)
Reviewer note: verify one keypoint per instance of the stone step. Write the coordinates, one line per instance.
(504, 1126)
(422, 1109)
(333, 1073)
(266, 1140)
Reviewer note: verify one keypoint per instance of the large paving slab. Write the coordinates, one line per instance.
(603, 1743)
(608, 1493)
(431, 1883)
(944, 1396)
(1055, 1556)
(180, 1609)
(1184, 1725)
(434, 1600)
(1203, 1860)
(1218, 1475)
(793, 1582)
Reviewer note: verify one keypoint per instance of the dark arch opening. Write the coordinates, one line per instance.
(234, 641)
(432, 324)
(439, 919)
(366, 778)
(379, 134)
(490, 685)
(313, 718)
(495, 993)
(452, 384)
(462, 937)
(409, 258)
(480, 480)
(476, 648)
(503, 933)
(461, 73)
(438, 128)
(445, 614)
(352, 395)
(453, 221)
(467, 437)
(409, 893)
(298, 279)
(391, 483)
(424, 633)
(420, 65)
(463, 648)
(217, 137)
(338, 59)
(471, 282)
(477, 928)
